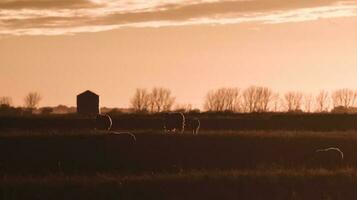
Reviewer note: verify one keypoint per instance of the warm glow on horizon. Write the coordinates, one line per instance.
(61, 48)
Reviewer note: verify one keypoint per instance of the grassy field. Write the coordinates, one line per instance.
(209, 121)
(216, 184)
(211, 165)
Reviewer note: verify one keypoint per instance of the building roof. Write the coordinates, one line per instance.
(88, 93)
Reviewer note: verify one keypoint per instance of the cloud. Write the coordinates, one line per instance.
(49, 17)
(45, 4)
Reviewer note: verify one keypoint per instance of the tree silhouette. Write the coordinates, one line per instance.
(223, 99)
(276, 102)
(140, 101)
(322, 101)
(257, 99)
(6, 101)
(344, 97)
(308, 102)
(32, 100)
(293, 101)
(160, 100)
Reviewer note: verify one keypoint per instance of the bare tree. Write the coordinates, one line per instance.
(276, 102)
(214, 101)
(293, 101)
(233, 99)
(160, 100)
(32, 100)
(344, 97)
(257, 99)
(249, 99)
(308, 102)
(223, 99)
(140, 101)
(7, 101)
(322, 101)
(265, 99)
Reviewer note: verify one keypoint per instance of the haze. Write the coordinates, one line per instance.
(61, 48)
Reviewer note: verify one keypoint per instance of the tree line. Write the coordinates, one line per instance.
(31, 100)
(254, 99)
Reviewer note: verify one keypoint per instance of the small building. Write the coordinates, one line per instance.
(88, 103)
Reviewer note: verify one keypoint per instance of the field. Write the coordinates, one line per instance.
(64, 164)
(210, 121)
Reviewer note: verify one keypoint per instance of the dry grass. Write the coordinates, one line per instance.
(204, 184)
(212, 165)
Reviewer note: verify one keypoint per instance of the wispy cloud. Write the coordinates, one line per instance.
(45, 4)
(49, 17)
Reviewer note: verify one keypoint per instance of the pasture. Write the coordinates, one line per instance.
(64, 164)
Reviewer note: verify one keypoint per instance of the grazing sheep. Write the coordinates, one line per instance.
(329, 157)
(194, 125)
(174, 122)
(103, 122)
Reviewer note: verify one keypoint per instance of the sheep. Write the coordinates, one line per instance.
(103, 122)
(174, 122)
(194, 125)
(328, 157)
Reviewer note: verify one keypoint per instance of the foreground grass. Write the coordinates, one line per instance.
(213, 184)
(212, 165)
(88, 152)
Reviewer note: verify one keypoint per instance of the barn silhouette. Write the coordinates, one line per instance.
(88, 103)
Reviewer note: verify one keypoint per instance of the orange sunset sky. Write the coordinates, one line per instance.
(61, 48)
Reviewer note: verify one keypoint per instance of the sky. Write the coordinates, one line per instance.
(61, 48)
